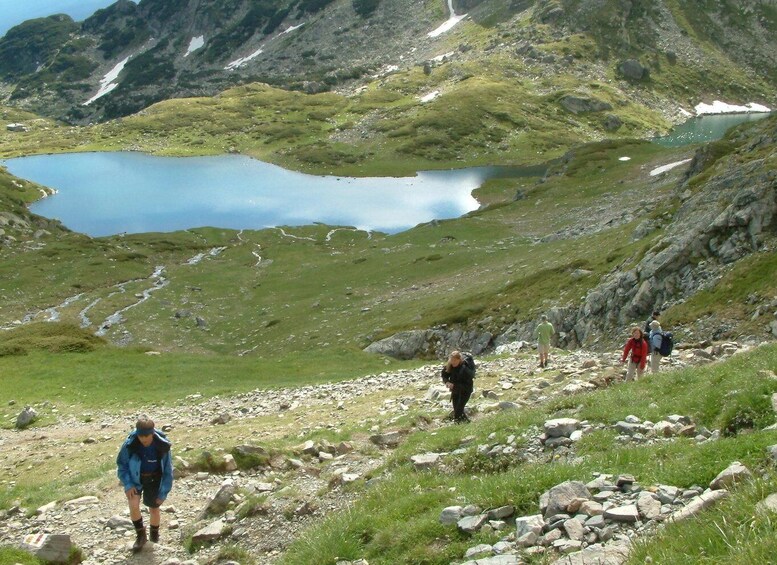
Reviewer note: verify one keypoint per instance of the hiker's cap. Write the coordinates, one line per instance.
(655, 324)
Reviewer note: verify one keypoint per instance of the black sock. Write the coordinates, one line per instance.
(138, 523)
(154, 533)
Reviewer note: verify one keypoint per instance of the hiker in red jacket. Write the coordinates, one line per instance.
(640, 351)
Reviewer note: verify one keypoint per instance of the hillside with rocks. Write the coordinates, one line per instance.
(128, 56)
(257, 469)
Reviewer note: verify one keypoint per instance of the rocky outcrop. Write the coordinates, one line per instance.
(582, 104)
(435, 343)
(727, 210)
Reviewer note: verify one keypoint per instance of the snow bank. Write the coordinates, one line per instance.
(448, 25)
(429, 97)
(718, 107)
(239, 62)
(292, 28)
(440, 58)
(624, 159)
(668, 167)
(106, 83)
(195, 44)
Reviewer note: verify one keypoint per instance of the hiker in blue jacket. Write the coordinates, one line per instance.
(145, 469)
(655, 344)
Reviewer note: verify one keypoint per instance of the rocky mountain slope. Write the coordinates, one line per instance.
(128, 56)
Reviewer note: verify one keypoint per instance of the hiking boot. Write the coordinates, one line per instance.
(153, 534)
(140, 541)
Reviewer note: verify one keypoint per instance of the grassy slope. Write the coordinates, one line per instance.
(396, 519)
(317, 294)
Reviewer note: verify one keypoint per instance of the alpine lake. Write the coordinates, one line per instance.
(109, 193)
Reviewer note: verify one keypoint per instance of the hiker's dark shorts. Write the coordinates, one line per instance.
(150, 484)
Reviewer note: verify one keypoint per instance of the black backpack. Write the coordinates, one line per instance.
(470, 362)
(667, 344)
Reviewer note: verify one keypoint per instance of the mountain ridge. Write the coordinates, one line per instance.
(319, 46)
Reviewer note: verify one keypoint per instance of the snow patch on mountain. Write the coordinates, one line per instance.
(658, 170)
(449, 24)
(292, 28)
(718, 107)
(243, 60)
(195, 44)
(107, 83)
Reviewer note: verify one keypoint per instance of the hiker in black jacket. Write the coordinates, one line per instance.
(458, 374)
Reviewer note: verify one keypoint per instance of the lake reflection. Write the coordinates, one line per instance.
(109, 193)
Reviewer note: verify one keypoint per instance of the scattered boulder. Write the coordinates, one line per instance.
(580, 104)
(632, 69)
(735, 473)
(26, 417)
(220, 502)
(557, 499)
(209, 533)
(50, 548)
(425, 460)
(389, 439)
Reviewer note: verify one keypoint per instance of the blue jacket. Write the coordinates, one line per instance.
(128, 463)
(655, 340)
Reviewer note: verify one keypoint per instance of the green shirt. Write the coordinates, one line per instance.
(544, 331)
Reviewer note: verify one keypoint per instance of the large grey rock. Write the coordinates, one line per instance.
(575, 529)
(581, 104)
(425, 460)
(633, 70)
(52, 548)
(431, 343)
(649, 505)
(561, 427)
(526, 524)
(220, 502)
(557, 499)
(627, 513)
(734, 473)
(451, 515)
(26, 417)
(389, 439)
(211, 532)
(472, 524)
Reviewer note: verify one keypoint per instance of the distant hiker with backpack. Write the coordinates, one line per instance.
(458, 375)
(654, 317)
(655, 339)
(638, 346)
(145, 470)
(544, 332)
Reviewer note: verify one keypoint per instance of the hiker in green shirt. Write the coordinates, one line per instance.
(544, 332)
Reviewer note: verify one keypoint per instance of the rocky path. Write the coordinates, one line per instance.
(266, 508)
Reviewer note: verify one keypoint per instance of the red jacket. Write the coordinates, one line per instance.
(639, 351)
